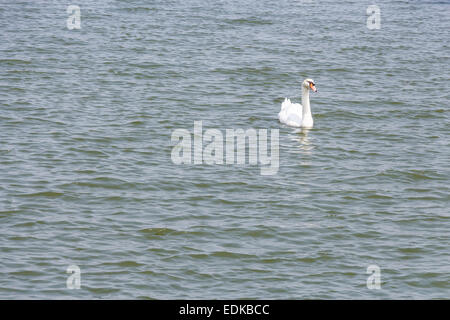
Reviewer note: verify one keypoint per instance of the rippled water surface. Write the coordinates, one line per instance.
(87, 178)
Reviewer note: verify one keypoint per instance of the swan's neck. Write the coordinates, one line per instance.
(306, 112)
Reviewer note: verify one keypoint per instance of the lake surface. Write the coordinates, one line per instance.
(87, 176)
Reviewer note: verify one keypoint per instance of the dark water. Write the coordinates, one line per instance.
(87, 179)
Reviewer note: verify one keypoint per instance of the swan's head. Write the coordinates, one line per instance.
(309, 84)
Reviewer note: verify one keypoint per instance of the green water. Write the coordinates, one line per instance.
(87, 177)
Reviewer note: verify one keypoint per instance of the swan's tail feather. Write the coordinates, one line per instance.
(285, 103)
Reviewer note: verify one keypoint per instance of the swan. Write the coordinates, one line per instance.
(296, 115)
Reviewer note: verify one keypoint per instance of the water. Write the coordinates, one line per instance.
(85, 150)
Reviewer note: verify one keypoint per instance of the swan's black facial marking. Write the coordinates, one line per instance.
(312, 86)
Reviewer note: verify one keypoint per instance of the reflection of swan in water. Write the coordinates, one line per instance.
(296, 115)
(304, 143)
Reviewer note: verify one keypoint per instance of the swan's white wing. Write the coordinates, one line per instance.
(290, 113)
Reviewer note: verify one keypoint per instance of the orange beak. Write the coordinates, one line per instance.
(313, 87)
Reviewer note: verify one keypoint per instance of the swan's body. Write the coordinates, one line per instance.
(295, 114)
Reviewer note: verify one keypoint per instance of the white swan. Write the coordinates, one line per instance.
(296, 115)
